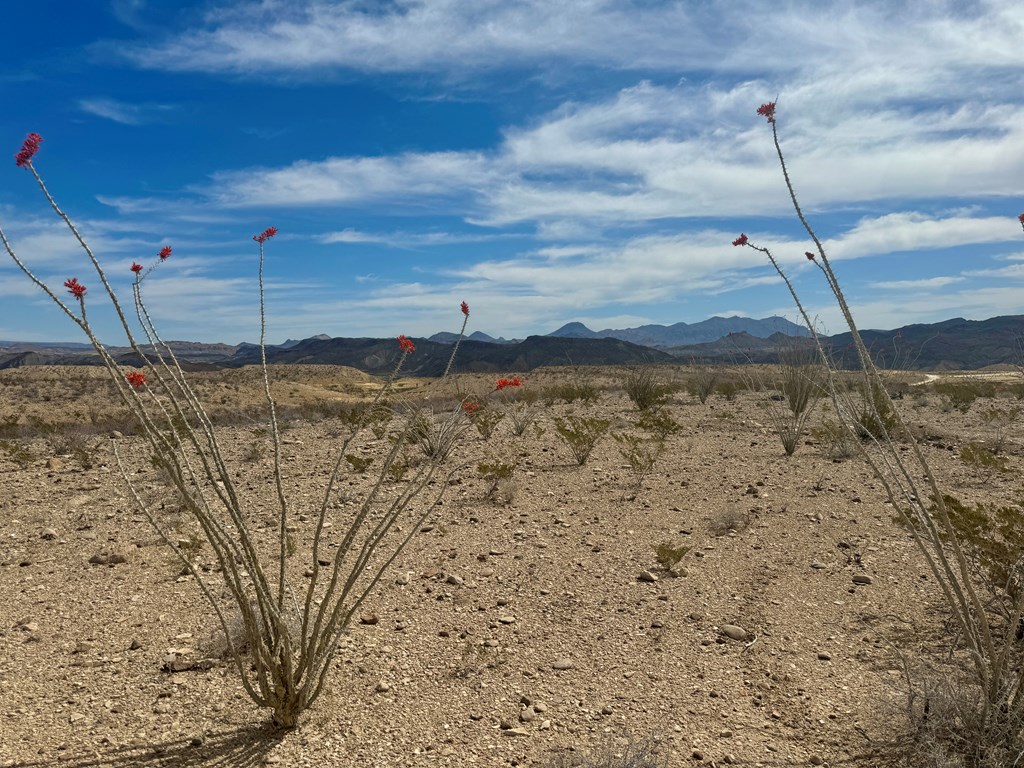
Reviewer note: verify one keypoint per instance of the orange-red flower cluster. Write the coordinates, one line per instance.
(136, 379)
(28, 148)
(165, 252)
(809, 255)
(136, 267)
(741, 240)
(1021, 219)
(405, 344)
(74, 287)
(265, 235)
(470, 407)
(465, 307)
(767, 110)
(501, 384)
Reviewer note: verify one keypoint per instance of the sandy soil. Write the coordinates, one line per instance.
(519, 633)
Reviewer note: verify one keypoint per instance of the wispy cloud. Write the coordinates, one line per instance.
(654, 152)
(410, 239)
(465, 36)
(124, 112)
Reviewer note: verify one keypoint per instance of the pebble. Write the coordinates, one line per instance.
(861, 578)
(647, 576)
(107, 558)
(48, 534)
(823, 656)
(734, 632)
(527, 715)
(515, 732)
(562, 664)
(815, 760)
(507, 619)
(369, 619)
(454, 580)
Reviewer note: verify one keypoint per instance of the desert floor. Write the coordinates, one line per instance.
(516, 630)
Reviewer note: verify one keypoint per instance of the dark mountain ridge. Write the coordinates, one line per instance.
(955, 344)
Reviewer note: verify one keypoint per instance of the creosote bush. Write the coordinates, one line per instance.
(289, 630)
(581, 434)
(645, 389)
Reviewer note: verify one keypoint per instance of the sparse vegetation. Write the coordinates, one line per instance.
(581, 434)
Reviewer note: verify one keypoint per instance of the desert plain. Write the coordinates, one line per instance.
(536, 625)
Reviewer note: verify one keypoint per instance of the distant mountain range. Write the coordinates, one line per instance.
(955, 344)
(684, 334)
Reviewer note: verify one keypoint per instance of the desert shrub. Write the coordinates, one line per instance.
(254, 452)
(729, 389)
(645, 389)
(728, 521)
(999, 421)
(577, 389)
(669, 556)
(978, 456)
(581, 434)
(497, 473)
(800, 386)
(436, 434)
(702, 382)
(10, 427)
(876, 414)
(640, 455)
(659, 423)
(359, 464)
(74, 441)
(959, 395)
(483, 417)
(522, 413)
(17, 452)
(834, 440)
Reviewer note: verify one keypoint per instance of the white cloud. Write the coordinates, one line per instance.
(124, 112)
(652, 152)
(404, 239)
(916, 286)
(463, 37)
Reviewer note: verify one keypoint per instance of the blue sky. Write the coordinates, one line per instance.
(586, 160)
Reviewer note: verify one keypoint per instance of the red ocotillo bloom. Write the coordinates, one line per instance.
(767, 110)
(405, 344)
(265, 235)
(75, 288)
(165, 252)
(28, 148)
(501, 384)
(136, 267)
(465, 307)
(136, 379)
(741, 240)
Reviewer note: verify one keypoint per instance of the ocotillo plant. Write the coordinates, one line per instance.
(291, 635)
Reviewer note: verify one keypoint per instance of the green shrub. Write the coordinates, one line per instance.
(978, 456)
(659, 423)
(581, 434)
(640, 455)
(644, 388)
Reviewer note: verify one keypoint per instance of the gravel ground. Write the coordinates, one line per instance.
(532, 631)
